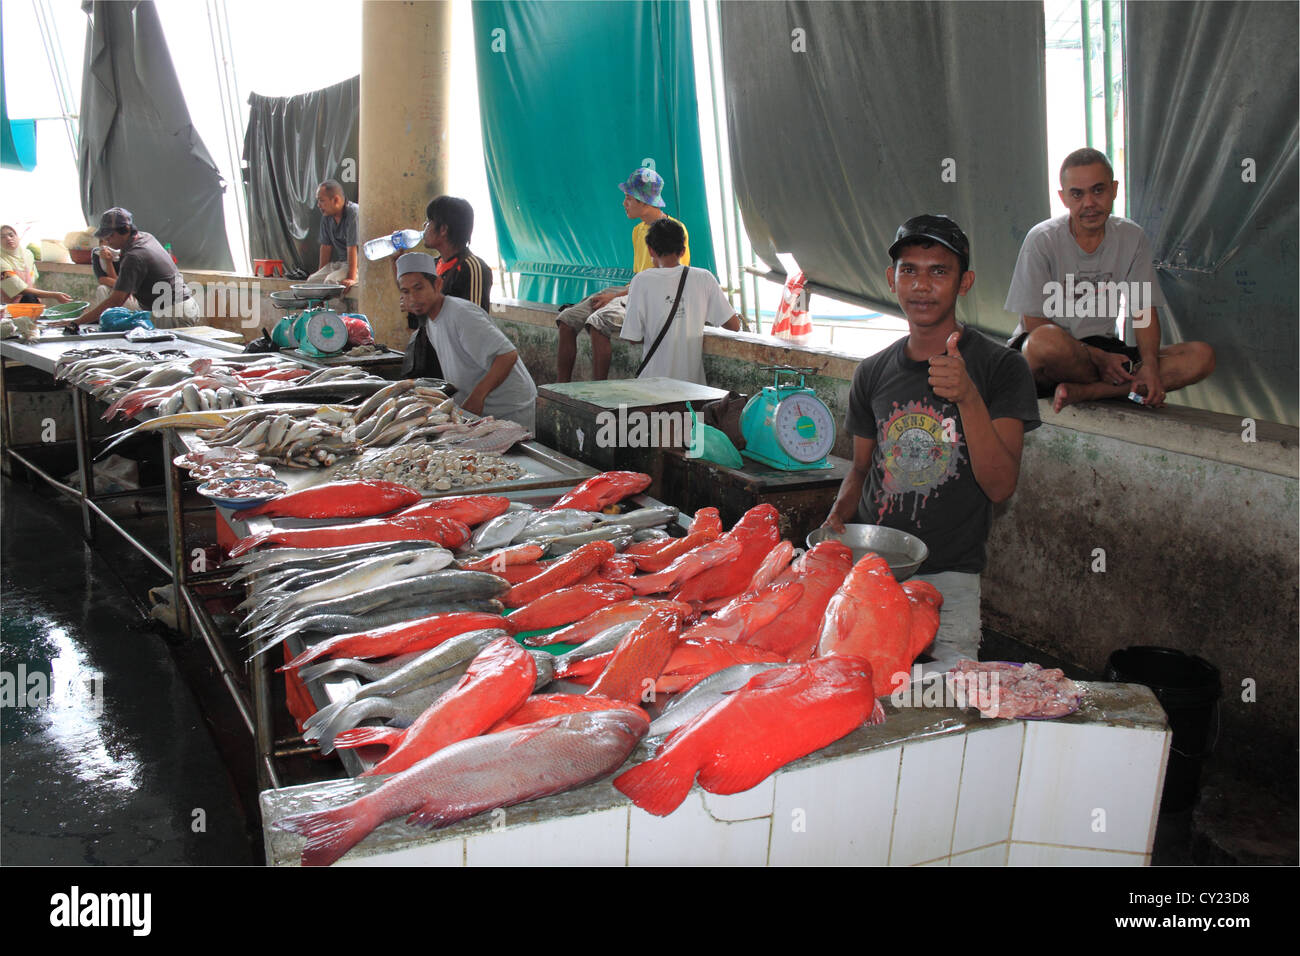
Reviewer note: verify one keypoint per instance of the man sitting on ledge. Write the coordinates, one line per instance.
(1069, 278)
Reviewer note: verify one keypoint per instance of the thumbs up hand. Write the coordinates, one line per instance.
(948, 376)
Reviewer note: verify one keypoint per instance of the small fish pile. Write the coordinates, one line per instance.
(404, 411)
(303, 438)
(427, 467)
(485, 434)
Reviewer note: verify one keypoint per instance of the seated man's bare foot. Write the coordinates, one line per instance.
(1066, 394)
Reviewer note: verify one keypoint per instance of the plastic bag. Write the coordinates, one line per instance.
(119, 319)
(792, 321)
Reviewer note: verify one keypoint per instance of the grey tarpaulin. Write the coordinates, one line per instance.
(292, 144)
(138, 147)
(1212, 86)
(844, 118)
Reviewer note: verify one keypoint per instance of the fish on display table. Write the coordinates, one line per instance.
(820, 571)
(440, 530)
(565, 606)
(338, 499)
(476, 775)
(757, 532)
(777, 717)
(417, 635)
(639, 658)
(870, 617)
(601, 491)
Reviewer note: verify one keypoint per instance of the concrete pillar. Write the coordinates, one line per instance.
(405, 103)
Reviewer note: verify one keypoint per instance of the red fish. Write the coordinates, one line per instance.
(470, 509)
(338, 499)
(757, 533)
(749, 613)
(561, 573)
(447, 532)
(565, 606)
(870, 617)
(779, 716)
(689, 565)
(467, 778)
(665, 555)
(605, 618)
(515, 556)
(619, 568)
(926, 601)
(422, 634)
(601, 491)
(640, 657)
(542, 706)
(497, 682)
(693, 660)
(795, 633)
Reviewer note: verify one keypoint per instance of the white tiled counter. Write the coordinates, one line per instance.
(931, 787)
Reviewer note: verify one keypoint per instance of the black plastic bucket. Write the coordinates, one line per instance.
(1188, 689)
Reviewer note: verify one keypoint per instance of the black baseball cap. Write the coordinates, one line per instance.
(940, 229)
(115, 219)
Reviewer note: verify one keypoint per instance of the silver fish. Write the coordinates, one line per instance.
(501, 530)
(606, 640)
(641, 518)
(475, 775)
(328, 625)
(618, 535)
(553, 523)
(366, 670)
(684, 708)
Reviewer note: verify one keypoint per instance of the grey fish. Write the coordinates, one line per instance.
(552, 523)
(475, 775)
(606, 640)
(619, 535)
(704, 695)
(425, 669)
(641, 518)
(501, 530)
(366, 670)
(651, 534)
(285, 581)
(408, 568)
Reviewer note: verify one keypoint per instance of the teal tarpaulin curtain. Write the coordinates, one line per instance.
(17, 137)
(574, 97)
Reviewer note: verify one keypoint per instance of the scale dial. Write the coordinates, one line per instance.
(803, 427)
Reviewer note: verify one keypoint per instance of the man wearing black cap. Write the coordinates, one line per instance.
(145, 271)
(938, 422)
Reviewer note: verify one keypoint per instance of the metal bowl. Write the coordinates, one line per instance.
(318, 291)
(904, 552)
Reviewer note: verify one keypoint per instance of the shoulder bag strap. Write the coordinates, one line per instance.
(664, 331)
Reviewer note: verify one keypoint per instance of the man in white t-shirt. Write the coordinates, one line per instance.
(1072, 274)
(680, 354)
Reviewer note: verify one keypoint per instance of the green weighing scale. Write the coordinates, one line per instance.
(316, 331)
(788, 426)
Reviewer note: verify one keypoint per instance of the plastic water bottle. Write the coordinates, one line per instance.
(399, 241)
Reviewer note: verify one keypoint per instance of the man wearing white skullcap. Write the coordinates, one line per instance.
(475, 355)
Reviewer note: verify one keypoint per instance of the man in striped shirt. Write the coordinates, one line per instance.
(449, 225)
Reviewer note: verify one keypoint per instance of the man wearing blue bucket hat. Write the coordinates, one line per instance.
(602, 314)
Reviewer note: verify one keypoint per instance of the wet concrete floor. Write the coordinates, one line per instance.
(115, 762)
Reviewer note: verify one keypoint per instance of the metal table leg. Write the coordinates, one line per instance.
(173, 485)
(85, 469)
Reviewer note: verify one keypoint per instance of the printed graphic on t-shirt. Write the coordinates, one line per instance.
(920, 451)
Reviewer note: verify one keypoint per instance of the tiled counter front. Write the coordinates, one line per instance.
(931, 786)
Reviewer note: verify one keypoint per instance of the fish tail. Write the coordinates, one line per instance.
(388, 737)
(329, 833)
(657, 786)
(877, 715)
(244, 545)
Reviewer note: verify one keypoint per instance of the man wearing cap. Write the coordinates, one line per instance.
(602, 314)
(145, 271)
(1070, 277)
(938, 422)
(475, 355)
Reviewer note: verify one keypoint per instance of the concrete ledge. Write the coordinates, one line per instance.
(1188, 431)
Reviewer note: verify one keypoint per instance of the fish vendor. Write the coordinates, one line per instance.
(1067, 288)
(145, 269)
(475, 355)
(938, 422)
(337, 235)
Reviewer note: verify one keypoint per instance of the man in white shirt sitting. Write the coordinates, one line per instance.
(680, 353)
